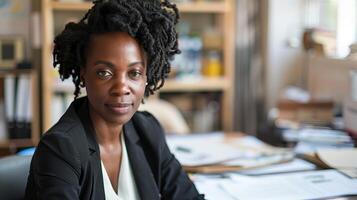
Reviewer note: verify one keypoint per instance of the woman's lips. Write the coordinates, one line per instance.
(119, 108)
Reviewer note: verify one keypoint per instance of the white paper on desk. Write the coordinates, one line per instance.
(292, 166)
(213, 148)
(212, 189)
(307, 147)
(260, 160)
(310, 140)
(202, 149)
(300, 185)
(249, 141)
(325, 136)
(349, 172)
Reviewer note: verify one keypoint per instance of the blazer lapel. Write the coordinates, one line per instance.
(97, 184)
(143, 176)
(94, 157)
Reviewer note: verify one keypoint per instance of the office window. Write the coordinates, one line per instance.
(334, 22)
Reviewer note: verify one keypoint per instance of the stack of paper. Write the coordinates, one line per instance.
(309, 140)
(321, 184)
(214, 152)
(292, 166)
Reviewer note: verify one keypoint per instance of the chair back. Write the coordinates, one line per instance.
(169, 116)
(14, 171)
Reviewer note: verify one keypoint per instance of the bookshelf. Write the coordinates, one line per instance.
(18, 138)
(218, 14)
(193, 7)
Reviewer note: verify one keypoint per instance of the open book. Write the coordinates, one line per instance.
(344, 160)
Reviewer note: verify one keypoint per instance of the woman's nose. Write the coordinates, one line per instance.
(120, 86)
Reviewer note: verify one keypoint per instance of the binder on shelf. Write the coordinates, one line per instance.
(28, 109)
(9, 92)
(3, 129)
(22, 124)
(17, 101)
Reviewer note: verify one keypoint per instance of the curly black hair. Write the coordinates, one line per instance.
(150, 22)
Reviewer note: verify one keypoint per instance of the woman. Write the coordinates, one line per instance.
(102, 148)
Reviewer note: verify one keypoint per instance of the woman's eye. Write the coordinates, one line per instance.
(135, 74)
(104, 74)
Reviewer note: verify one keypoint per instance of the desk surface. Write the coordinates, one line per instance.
(209, 186)
(325, 184)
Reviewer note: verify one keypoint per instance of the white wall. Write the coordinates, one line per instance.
(346, 26)
(285, 22)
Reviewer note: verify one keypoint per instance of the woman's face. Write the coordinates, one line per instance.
(114, 76)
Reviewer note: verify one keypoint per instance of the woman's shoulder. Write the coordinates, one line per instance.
(66, 139)
(57, 145)
(64, 130)
(147, 121)
(67, 128)
(148, 127)
(144, 115)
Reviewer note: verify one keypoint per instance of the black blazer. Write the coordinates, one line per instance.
(66, 164)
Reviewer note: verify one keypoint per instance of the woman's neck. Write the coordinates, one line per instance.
(106, 133)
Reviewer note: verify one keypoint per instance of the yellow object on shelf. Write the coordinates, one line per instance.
(213, 67)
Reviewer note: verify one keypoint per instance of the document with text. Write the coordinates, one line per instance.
(300, 185)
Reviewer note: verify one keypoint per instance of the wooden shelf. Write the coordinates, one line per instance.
(202, 84)
(203, 7)
(4, 72)
(194, 7)
(15, 143)
(68, 6)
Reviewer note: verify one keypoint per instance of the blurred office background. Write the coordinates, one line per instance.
(268, 68)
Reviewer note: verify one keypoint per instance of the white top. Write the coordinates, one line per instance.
(126, 184)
